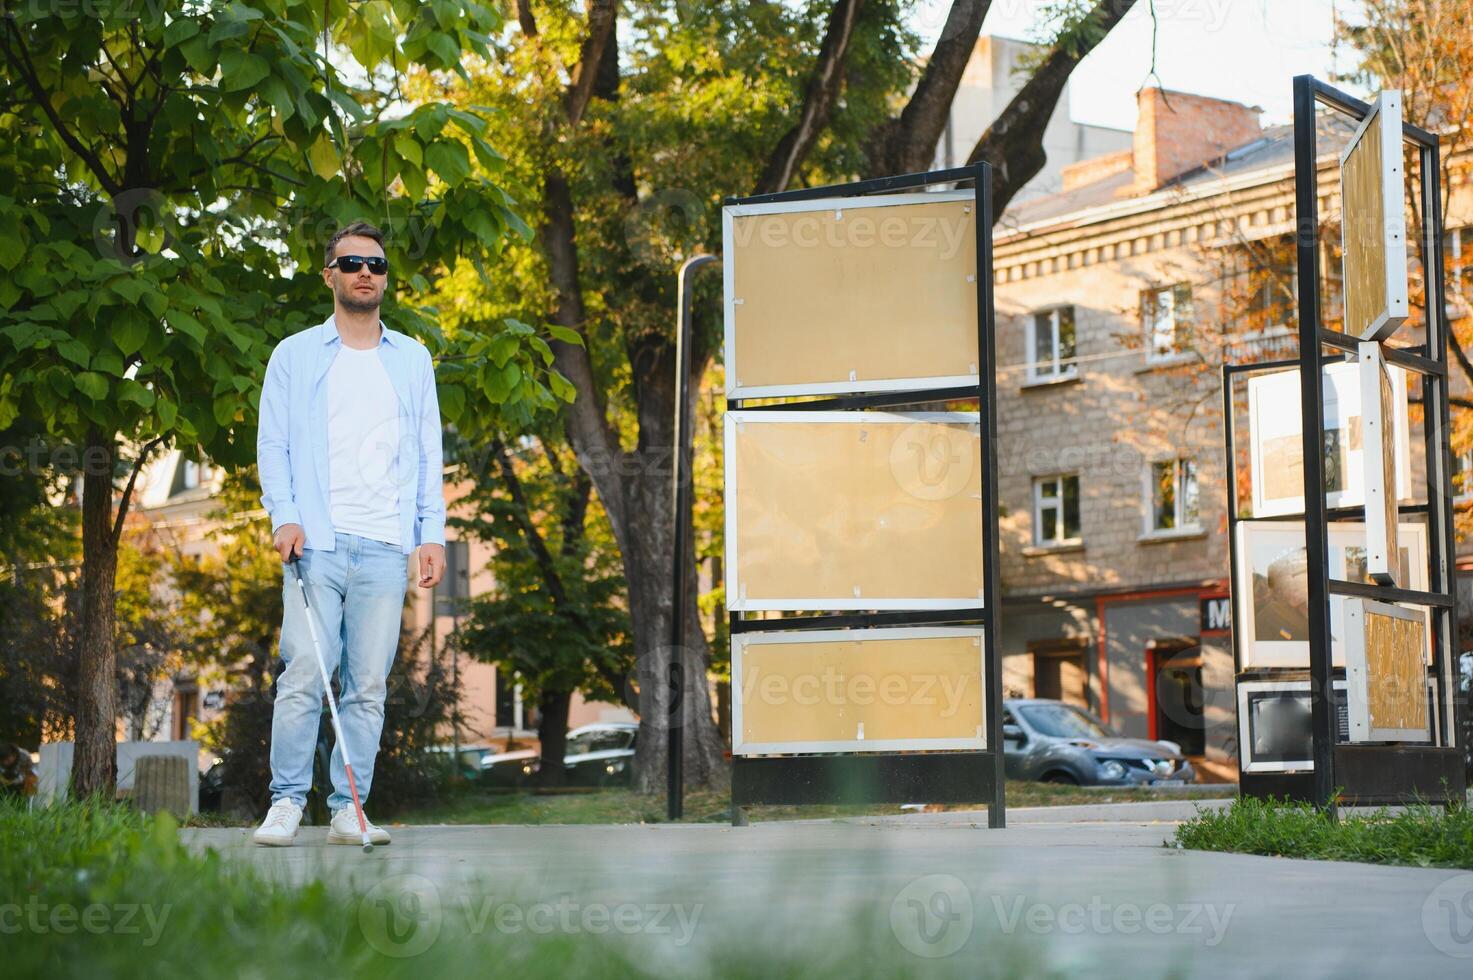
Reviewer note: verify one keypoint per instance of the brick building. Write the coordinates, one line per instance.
(995, 73)
(1111, 468)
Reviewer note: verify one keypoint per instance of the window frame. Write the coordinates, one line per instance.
(1462, 473)
(1179, 526)
(1150, 304)
(1057, 503)
(1060, 368)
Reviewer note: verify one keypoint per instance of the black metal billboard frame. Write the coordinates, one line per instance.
(902, 777)
(1367, 774)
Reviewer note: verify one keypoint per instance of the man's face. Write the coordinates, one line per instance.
(361, 291)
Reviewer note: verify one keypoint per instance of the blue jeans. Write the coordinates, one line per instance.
(357, 595)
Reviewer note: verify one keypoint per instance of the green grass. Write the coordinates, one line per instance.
(100, 891)
(473, 806)
(1421, 836)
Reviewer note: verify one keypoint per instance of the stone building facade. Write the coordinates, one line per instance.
(1112, 473)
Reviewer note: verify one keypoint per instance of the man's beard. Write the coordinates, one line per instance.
(353, 304)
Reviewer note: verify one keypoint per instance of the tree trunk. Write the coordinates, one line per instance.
(647, 564)
(94, 763)
(552, 732)
(635, 488)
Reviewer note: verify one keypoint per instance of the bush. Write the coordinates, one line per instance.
(1422, 836)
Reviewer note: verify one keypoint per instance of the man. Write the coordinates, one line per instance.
(349, 455)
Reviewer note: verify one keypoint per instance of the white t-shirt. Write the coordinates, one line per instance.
(362, 446)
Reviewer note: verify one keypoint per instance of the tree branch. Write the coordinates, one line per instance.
(128, 490)
(526, 18)
(907, 143)
(1013, 144)
(819, 98)
(586, 421)
(43, 99)
(601, 20)
(522, 514)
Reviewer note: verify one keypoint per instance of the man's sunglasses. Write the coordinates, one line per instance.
(377, 264)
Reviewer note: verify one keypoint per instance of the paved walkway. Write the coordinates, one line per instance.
(1063, 889)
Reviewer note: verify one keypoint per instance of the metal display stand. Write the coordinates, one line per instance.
(900, 777)
(1360, 773)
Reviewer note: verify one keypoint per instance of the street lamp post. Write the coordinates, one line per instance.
(675, 743)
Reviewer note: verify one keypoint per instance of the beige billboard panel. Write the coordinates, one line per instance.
(853, 510)
(851, 294)
(858, 691)
(1387, 673)
(1378, 406)
(1373, 224)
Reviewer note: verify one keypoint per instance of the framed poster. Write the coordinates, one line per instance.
(1378, 464)
(1273, 587)
(864, 690)
(850, 294)
(853, 510)
(1274, 731)
(1387, 672)
(1373, 223)
(1276, 439)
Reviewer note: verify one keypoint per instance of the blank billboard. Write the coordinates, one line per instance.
(851, 294)
(866, 690)
(853, 510)
(1373, 223)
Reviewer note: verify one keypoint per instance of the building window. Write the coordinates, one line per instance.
(189, 475)
(1051, 345)
(1174, 496)
(1167, 313)
(1056, 510)
(1271, 300)
(1457, 267)
(1462, 477)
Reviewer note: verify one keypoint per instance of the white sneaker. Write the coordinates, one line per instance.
(279, 828)
(344, 829)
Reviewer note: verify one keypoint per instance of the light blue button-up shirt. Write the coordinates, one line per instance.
(291, 443)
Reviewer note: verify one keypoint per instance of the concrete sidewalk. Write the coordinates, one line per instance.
(1066, 889)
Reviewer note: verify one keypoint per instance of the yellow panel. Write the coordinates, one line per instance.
(860, 509)
(1390, 515)
(1396, 676)
(1364, 232)
(875, 690)
(854, 294)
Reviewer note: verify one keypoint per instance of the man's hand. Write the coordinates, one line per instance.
(431, 565)
(289, 540)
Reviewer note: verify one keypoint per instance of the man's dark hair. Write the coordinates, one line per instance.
(359, 229)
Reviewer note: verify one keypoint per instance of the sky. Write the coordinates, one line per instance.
(1244, 50)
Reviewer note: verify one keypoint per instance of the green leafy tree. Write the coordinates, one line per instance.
(170, 172)
(38, 551)
(628, 123)
(555, 618)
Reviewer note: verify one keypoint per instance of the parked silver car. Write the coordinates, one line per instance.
(1054, 742)
(600, 754)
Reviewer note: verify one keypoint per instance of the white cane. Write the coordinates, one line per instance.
(332, 707)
